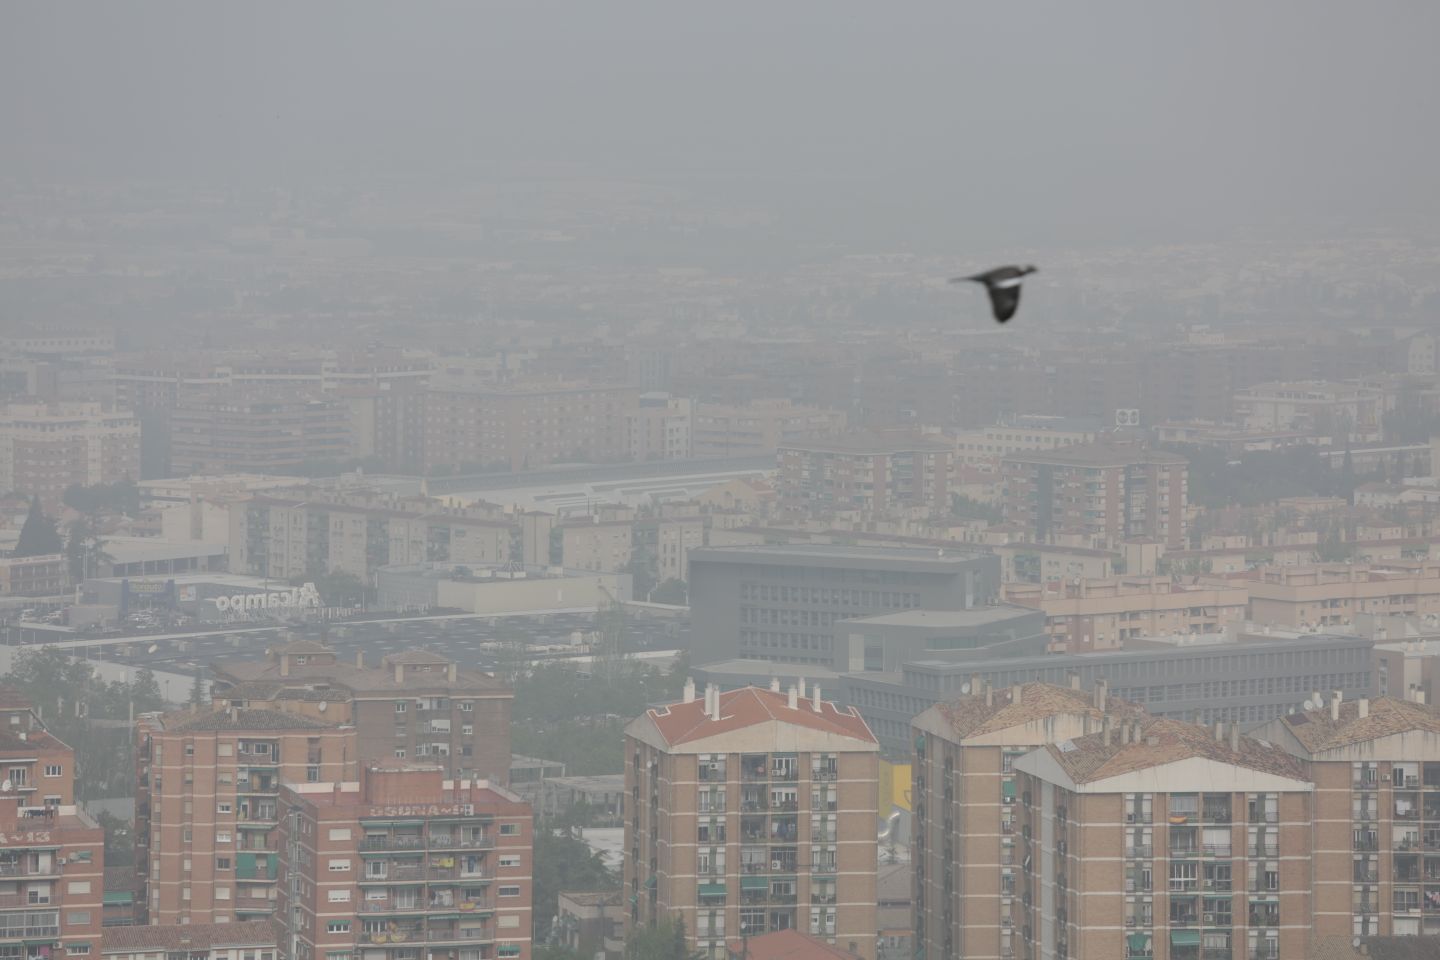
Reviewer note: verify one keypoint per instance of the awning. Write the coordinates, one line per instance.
(754, 883)
(712, 889)
(1139, 942)
(650, 882)
(367, 822)
(1007, 789)
(1184, 938)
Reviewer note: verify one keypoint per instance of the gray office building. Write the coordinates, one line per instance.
(781, 603)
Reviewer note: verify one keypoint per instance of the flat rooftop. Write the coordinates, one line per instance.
(837, 554)
(948, 619)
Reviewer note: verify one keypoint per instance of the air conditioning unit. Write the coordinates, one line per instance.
(774, 864)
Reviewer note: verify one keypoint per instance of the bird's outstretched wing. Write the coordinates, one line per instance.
(1004, 301)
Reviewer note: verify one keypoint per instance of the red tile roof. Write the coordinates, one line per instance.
(748, 706)
(786, 945)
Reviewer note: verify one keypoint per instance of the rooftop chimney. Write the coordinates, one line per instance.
(774, 684)
(975, 684)
(452, 671)
(1105, 730)
(1219, 730)
(1338, 695)
(1362, 707)
(816, 702)
(1420, 695)
(802, 688)
(360, 659)
(989, 694)
(1315, 698)
(1074, 681)
(712, 691)
(1017, 692)
(1152, 741)
(793, 698)
(1234, 738)
(399, 673)
(1124, 732)
(1335, 708)
(687, 692)
(284, 664)
(1102, 690)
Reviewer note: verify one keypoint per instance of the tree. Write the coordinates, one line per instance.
(145, 692)
(336, 588)
(563, 862)
(119, 843)
(38, 537)
(671, 591)
(122, 496)
(663, 940)
(84, 550)
(197, 689)
(967, 508)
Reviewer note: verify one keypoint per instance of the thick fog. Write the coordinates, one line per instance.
(932, 124)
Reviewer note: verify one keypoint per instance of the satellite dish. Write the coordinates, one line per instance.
(153, 647)
(1309, 704)
(965, 687)
(322, 706)
(7, 786)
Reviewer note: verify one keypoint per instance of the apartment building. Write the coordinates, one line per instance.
(52, 870)
(868, 473)
(1338, 410)
(780, 602)
(46, 575)
(235, 432)
(291, 536)
(1375, 824)
(984, 448)
(967, 845)
(752, 811)
(206, 813)
(1096, 495)
(601, 546)
(249, 940)
(45, 448)
(416, 705)
(1159, 838)
(387, 422)
(759, 427)
(39, 767)
(661, 428)
(1315, 596)
(1087, 615)
(404, 863)
(524, 426)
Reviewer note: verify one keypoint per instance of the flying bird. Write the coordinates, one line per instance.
(1003, 285)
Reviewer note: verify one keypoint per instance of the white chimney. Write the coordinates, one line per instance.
(715, 703)
(1362, 707)
(1335, 708)
(1105, 730)
(1219, 730)
(688, 691)
(802, 688)
(1074, 681)
(1016, 693)
(1420, 695)
(1315, 698)
(1234, 738)
(774, 684)
(989, 694)
(816, 701)
(793, 699)
(452, 671)
(1102, 691)
(1339, 695)
(1124, 732)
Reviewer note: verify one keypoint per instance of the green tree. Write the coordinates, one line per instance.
(38, 537)
(123, 496)
(145, 692)
(119, 840)
(663, 940)
(197, 689)
(563, 862)
(671, 591)
(84, 550)
(967, 508)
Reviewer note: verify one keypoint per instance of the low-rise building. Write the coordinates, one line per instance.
(1088, 615)
(41, 576)
(1316, 596)
(248, 940)
(592, 921)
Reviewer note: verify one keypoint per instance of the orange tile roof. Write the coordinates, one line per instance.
(1316, 731)
(748, 706)
(785, 945)
(1165, 740)
(972, 716)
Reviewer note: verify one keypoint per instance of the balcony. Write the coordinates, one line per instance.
(22, 869)
(1141, 851)
(393, 906)
(248, 758)
(1216, 849)
(484, 841)
(407, 842)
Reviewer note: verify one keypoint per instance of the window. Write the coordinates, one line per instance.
(339, 833)
(338, 926)
(222, 863)
(78, 886)
(400, 753)
(336, 955)
(78, 918)
(466, 706)
(77, 949)
(510, 860)
(222, 893)
(339, 866)
(510, 891)
(223, 750)
(223, 807)
(507, 921)
(56, 770)
(400, 706)
(509, 829)
(222, 836)
(508, 950)
(339, 896)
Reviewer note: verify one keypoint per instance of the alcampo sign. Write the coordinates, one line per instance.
(297, 598)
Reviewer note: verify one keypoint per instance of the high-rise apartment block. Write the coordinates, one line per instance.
(235, 432)
(52, 880)
(416, 705)
(760, 427)
(752, 811)
(867, 474)
(967, 849)
(207, 806)
(46, 448)
(404, 863)
(1097, 495)
(1159, 838)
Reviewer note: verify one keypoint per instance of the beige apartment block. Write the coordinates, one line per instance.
(966, 832)
(1103, 614)
(751, 811)
(1316, 596)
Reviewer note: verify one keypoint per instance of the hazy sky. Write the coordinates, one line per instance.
(1033, 121)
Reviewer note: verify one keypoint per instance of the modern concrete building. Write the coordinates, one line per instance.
(1342, 411)
(888, 641)
(417, 706)
(1096, 495)
(45, 448)
(759, 427)
(237, 432)
(404, 863)
(781, 602)
(1159, 838)
(52, 878)
(42, 576)
(206, 813)
(967, 848)
(752, 811)
(866, 473)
